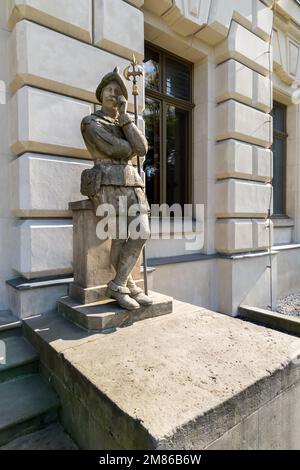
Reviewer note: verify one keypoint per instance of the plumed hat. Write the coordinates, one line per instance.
(110, 77)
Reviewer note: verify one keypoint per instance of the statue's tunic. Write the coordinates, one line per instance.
(112, 144)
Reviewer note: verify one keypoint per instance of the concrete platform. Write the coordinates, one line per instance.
(195, 379)
(107, 314)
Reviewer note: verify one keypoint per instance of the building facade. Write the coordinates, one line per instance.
(219, 106)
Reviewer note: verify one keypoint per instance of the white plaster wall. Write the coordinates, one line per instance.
(192, 282)
(288, 272)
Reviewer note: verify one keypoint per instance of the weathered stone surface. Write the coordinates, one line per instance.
(129, 390)
(107, 314)
(8, 321)
(271, 319)
(92, 264)
(52, 437)
(27, 403)
(88, 295)
(20, 357)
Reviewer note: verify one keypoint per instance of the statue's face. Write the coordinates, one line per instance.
(110, 95)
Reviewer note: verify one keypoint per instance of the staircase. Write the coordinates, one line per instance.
(29, 407)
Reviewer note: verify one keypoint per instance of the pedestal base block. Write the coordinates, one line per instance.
(107, 314)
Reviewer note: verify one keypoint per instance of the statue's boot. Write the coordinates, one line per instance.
(137, 293)
(122, 295)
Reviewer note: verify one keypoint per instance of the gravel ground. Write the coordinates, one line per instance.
(289, 305)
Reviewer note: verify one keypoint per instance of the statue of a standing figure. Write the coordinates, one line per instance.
(113, 140)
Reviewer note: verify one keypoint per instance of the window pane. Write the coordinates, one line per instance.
(278, 176)
(152, 162)
(151, 69)
(278, 113)
(178, 79)
(177, 152)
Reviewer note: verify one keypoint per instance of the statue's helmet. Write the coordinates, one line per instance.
(111, 77)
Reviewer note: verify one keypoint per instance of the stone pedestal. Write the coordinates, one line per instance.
(92, 265)
(108, 315)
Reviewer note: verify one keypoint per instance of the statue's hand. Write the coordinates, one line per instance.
(122, 104)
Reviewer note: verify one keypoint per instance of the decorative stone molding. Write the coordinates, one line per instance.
(286, 56)
(209, 21)
(187, 16)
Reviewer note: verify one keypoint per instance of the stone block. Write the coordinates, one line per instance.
(36, 298)
(108, 315)
(235, 159)
(238, 198)
(158, 7)
(42, 247)
(239, 121)
(233, 236)
(109, 33)
(186, 18)
(234, 80)
(262, 20)
(43, 185)
(245, 47)
(92, 264)
(70, 17)
(55, 66)
(46, 122)
(116, 377)
(262, 238)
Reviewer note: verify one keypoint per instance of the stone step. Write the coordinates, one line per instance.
(9, 323)
(17, 357)
(53, 437)
(108, 315)
(27, 404)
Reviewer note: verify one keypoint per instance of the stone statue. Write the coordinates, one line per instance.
(113, 140)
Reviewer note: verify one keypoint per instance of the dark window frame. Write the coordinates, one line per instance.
(185, 105)
(282, 135)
